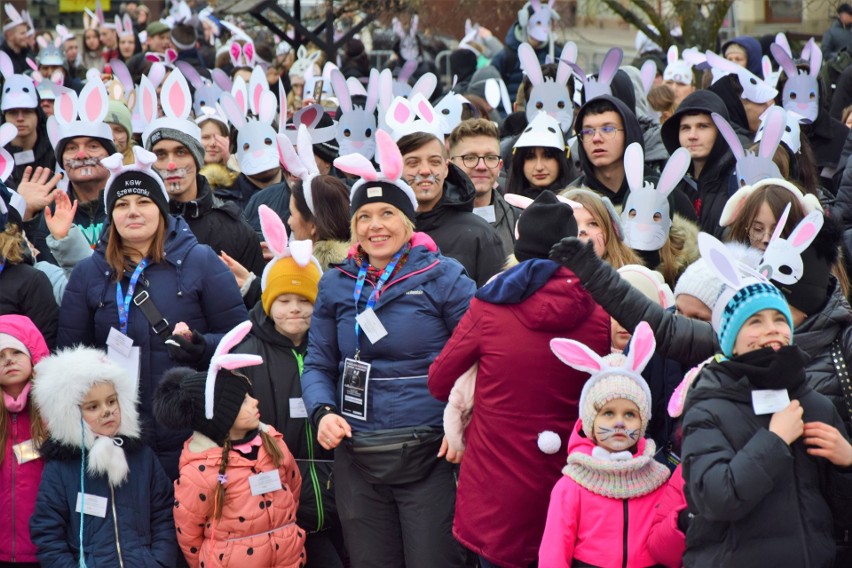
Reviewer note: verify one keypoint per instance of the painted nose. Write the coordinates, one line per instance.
(80, 154)
(172, 166)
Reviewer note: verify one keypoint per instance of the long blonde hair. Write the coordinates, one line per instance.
(616, 253)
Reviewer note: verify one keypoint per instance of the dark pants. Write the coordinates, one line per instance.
(406, 525)
(325, 549)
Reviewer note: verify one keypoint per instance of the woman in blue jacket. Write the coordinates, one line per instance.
(365, 386)
(145, 250)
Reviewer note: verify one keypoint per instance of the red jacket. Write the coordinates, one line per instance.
(522, 389)
(19, 483)
(666, 542)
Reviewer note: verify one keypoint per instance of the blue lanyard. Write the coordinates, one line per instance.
(123, 301)
(2, 266)
(371, 300)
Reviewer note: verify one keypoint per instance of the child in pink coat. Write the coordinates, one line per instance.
(601, 510)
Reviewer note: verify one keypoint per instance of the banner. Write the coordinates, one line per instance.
(78, 5)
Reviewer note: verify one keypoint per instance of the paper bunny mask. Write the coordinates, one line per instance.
(677, 69)
(646, 216)
(602, 84)
(755, 89)
(538, 23)
(257, 150)
(543, 131)
(356, 125)
(752, 168)
(19, 91)
(782, 259)
(801, 90)
(607, 374)
(791, 137)
(550, 95)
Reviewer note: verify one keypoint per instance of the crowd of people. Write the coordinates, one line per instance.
(262, 309)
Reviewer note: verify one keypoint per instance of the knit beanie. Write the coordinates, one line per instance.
(179, 401)
(701, 281)
(541, 225)
(611, 387)
(118, 113)
(134, 179)
(383, 192)
(19, 332)
(192, 143)
(650, 282)
(743, 304)
(287, 277)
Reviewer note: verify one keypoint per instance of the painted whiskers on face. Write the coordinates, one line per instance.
(432, 178)
(616, 434)
(89, 163)
(173, 178)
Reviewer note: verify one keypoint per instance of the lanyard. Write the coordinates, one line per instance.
(123, 301)
(2, 266)
(300, 361)
(371, 300)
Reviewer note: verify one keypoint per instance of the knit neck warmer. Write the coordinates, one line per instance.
(618, 479)
(373, 273)
(17, 404)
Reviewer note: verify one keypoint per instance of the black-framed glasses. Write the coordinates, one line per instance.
(607, 132)
(472, 160)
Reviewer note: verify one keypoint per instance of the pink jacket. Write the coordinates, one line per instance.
(666, 543)
(20, 486)
(255, 530)
(591, 528)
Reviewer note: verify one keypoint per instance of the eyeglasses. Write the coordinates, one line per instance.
(607, 132)
(757, 232)
(472, 160)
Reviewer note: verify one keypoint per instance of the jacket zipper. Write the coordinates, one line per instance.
(314, 479)
(626, 525)
(115, 525)
(14, 470)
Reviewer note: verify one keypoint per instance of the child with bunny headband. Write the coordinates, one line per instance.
(600, 511)
(238, 491)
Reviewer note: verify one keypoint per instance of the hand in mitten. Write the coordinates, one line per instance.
(683, 521)
(571, 253)
(186, 351)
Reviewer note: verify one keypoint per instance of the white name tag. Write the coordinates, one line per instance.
(769, 401)
(129, 362)
(25, 452)
(119, 342)
(297, 408)
(24, 157)
(369, 322)
(486, 213)
(265, 482)
(93, 505)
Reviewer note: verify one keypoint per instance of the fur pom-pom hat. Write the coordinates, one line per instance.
(63, 381)
(612, 377)
(207, 402)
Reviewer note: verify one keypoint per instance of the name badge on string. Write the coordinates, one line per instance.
(356, 381)
(769, 401)
(369, 322)
(297, 408)
(129, 362)
(25, 452)
(265, 482)
(93, 505)
(24, 157)
(487, 212)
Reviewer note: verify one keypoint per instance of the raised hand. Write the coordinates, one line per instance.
(60, 220)
(571, 251)
(238, 270)
(36, 188)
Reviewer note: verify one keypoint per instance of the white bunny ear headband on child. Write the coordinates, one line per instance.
(301, 163)
(275, 235)
(782, 260)
(224, 359)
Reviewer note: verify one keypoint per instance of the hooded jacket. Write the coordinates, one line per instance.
(419, 307)
(756, 500)
(585, 528)
(276, 197)
(737, 116)
(459, 233)
(827, 136)
(26, 291)
(836, 38)
(507, 62)
(277, 387)
(753, 52)
(191, 285)
(632, 133)
(42, 154)
(709, 192)
(504, 489)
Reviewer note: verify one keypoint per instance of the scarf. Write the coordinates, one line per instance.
(373, 273)
(769, 369)
(615, 477)
(17, 404)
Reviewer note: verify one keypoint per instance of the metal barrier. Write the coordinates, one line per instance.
(379, 58)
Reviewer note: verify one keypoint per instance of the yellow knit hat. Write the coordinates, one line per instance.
(287, 277)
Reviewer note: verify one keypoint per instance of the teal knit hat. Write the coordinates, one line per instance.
(743, 304)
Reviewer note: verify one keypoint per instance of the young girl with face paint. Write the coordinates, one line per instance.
(601, 510)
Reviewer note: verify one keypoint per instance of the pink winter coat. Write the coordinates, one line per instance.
(254, 530)
(591, 528)
(666, 543)
(522, 389)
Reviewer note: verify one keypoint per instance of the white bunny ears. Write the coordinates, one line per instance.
(677, 70)
(301, 164)
(15, 18)
(91, 107)
(601, 85)
(8, 132)
(275, 235)
(407, 116)
(801, 90)
(309, 117)
(538, 24)
(224, 359)
(543, 131)
(176, 101)
(752, 168)
(734, 205)
(143, 163)
(755, 89)
(782, 260)
(242, 55)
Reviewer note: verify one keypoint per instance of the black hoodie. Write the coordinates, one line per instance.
(709, 192)
(632, 133)
(459, 233)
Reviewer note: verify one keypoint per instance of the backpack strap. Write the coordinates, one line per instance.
(842, 374)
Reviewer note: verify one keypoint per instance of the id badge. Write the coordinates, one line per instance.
(356, 380)
(25, 452)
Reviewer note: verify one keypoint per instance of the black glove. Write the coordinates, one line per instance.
(186, 351)
(571, 253)
(683, 521)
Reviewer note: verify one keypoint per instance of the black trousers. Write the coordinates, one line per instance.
(404, 526)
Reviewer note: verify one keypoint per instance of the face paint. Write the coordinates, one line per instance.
(617, 438)
(85, 164)
(173, 178)
(419, 179)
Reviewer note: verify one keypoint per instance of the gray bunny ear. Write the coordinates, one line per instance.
(727, 132)
(634, 166)
(612, 61)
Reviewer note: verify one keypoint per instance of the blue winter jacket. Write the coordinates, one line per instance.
(191, 285)
(419, 307)
(141, 508)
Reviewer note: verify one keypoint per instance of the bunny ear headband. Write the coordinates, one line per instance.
(755, 89)
(275, 235)
(177, 104)
(143, 163)
(242, 55)
(735, 203)
(677, 69)
(390, 168)
(407, 116)
(302, 163)
(782, 260)
(91, 107)
(15, 18)
(224, 359)
(310, 117)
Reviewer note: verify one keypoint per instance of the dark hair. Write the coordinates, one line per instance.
(331, 200)
(599, 106)
(413, 142)
(519, 184)
(184, 34)
(777, 199)
(548, 71)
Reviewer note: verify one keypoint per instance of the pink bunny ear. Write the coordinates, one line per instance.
(306, 151)
(273, 230)
(268, 107)
(240, 94)
(248, 51)
(530, 64)
(642, 346)
(257, 86)
(519, 201)
(128, 24)
(171, 55)
(65, 106)
(372, 91)
(357, 165)
(399, 113)
(230, 362)
(236, 52)
(815, 59)
(611, 63)
(388, 152)
(93, 102)
(806, 231)
(576, 355)
(310, 116)
(671, 54)
(289, 158)
(7, 165)
(146, 100)
(341, 90)
(784, 60)
(425, 85)
(423, 108)
(221, 79)
(174, 96)
(232, 339)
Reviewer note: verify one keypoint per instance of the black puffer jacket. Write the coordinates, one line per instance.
(459, 233)
(278, 389)
(756, 500)
(690, 341)
(26, 291)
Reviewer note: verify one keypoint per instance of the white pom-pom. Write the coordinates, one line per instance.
(549, 442)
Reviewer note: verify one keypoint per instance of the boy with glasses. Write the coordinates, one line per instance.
(475, 149)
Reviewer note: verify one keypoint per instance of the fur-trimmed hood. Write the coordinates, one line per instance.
(219, 176)
(330, 252)
(683, 237)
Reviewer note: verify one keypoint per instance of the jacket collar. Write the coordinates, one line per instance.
(198, 207)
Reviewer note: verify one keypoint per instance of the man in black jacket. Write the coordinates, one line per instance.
(445, 207)
(15, 42)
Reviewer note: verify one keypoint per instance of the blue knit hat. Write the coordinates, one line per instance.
(744, 303)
